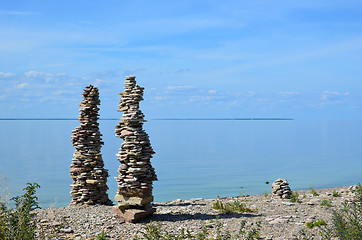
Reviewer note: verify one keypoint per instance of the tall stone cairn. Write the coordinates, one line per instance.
(89, 177)
(134, 195)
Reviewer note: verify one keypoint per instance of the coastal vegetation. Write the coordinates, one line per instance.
(346, 222)
(314, 192)
(231, 207)
(154, 231)
(294, 197)
(316, 223)
(18, 223)
(327, 203)
(102, 236)
(336, 194)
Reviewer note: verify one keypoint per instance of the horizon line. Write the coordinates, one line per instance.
(157, 119)
(223, 119)
(65, 119)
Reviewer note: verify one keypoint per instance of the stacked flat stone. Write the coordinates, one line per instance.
(89, 177)
(136, 174)
(281, 189)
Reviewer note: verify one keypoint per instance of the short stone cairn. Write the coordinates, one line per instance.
(89, 177)
(134, 194)
(281, 189)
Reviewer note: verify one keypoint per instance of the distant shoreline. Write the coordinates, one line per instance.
(48, 119)
(226, 119)
(156, 119)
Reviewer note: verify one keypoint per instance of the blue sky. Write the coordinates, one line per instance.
(298, 59)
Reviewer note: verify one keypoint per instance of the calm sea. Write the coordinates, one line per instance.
(194, 158)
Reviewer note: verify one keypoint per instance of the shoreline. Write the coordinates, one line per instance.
(280, 219)
(55, 203)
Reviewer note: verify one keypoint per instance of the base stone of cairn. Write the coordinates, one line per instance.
(89, 177)
(281, 189)
(136, 174)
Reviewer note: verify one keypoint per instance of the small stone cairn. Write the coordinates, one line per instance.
(134, 194)
(281, 189)
(89, 177)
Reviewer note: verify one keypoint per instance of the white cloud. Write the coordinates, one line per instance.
(179, 87)
(133, 71)
(41, 86)
(332, 93)
(32, 74)
(61, 92)
(48, 77)
(22, 85)
(181, 24)
(287, 94)
(212, 91)
(98, 82)
(328, 94)
(334, 97)
(234, 103)
(5, 75)
(16, 13)
(251, 94)
(159, 98)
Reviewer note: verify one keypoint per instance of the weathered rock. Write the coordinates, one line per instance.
(136, 174)
(134, 215)
(87, 172)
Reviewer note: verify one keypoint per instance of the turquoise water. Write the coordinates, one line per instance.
(194, 158)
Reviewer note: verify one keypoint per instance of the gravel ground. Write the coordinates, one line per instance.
(279, 219)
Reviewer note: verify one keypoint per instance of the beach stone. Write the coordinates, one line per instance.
(66, 230)
(134, 215)
(288, 203)
(350, 188)
(279, 220)
(132, 201)
(55, 223)
(314, 202)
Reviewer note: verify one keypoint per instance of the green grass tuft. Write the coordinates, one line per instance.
(294, 197)
(317, 223)
(314, 192)
(231, 207)
(327, 203)
(102, 236)
(336, 194)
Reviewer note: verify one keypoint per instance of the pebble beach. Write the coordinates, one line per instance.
(279, 218)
